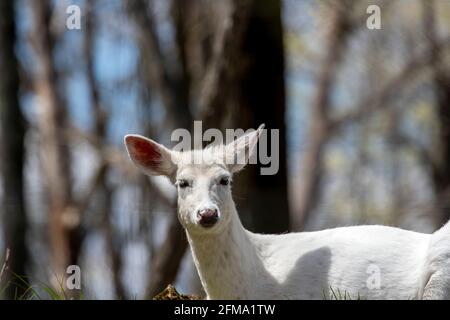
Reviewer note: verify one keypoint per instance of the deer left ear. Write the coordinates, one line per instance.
(238, 152)
(150, 156)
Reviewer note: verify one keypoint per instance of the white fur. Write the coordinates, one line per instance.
(234, 263)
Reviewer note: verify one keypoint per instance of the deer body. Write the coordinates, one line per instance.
(238, 264)
(371, 262)
(306, 265)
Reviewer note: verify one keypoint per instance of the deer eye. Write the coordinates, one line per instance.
(183, 183)
(224, 181)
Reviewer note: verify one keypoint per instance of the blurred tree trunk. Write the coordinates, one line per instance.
(242, 87)
(173, 90)
(64, 217)
(319, 130)
(259, 97)
(100, 184)
(12, 152)
(441, 86)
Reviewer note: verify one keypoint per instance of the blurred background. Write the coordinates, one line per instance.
(364, 119)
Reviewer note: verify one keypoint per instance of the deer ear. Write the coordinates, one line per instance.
(151, 157)
(238, 152)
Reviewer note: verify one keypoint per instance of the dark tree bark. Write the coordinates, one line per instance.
(440, 166)
(12, 152)
(262, 200)
(242, 87)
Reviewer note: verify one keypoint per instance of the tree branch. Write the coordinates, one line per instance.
(378, 100)
(5, 265)
(173, 94)
(117, 159)
(215, 85)
(63, 217)
(319, 133)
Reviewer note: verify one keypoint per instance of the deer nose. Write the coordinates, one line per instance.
(207, 217)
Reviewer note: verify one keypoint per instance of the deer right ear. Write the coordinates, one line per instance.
(150, 156)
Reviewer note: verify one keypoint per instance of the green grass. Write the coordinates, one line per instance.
(337, 294)
(42, 291)
(38, 290)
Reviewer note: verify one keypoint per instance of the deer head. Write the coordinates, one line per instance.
(202, 177)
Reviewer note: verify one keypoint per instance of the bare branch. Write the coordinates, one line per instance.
(5, 265)
(422, 153)
(219, 71)
(172, 87)
(117, 159)
(319, 132)
(378, 100)
(172, 249)
(96, 180)
(63, 216)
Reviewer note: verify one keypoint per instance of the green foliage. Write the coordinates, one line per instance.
(38, 291)
(337, 294)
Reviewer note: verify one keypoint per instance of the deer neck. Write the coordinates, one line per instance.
(225, 261)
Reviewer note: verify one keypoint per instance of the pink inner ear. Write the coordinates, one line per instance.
(144, 152)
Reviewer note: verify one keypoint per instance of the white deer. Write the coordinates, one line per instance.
(372, 262)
